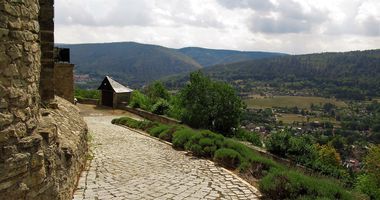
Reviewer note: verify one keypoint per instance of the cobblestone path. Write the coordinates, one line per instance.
(128, 165)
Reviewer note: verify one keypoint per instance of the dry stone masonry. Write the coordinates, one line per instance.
(42, 151)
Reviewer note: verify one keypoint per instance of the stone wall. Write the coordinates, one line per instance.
(46, 22)
(151, 116)
(19, 71)
(42, 150)
(64, 81)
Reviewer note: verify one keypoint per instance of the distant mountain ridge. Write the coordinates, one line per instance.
(211, 57)
(136, 64)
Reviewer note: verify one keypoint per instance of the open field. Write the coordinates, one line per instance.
(290, 118)
(289, 101)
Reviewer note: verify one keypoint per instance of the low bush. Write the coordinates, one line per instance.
(243, 150)
(157, 130)
(204, 143)
(280, 184)
(181, 137)
(160, 107)
(227, 157)
(256, 165)
(167, 135)
(143, 125)
(252, 137)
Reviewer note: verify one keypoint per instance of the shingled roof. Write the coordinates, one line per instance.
(115, 86)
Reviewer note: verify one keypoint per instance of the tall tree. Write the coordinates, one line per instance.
(210, 104)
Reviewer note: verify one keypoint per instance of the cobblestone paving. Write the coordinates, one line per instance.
(128, 165)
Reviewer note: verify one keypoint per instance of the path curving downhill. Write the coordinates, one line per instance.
(128, 165)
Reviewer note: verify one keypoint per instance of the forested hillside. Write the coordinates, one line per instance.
(349, 75)
(131, 63)
(210, 57)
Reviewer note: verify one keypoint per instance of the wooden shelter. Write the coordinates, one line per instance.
(114, 93)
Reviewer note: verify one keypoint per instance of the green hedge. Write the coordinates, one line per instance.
(281, 184)
(252, 137)
(228, 158)
(157, 130)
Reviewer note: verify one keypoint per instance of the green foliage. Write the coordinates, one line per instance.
(211, 105)
(243, 150)
(227, 157)
(157, 91)
(279, 184)
(181, 137)
(278, 143)
(167, 135)
(86, 94)
(139, 100)
(368, 185)
(204, 143)
(143, 125)
(175, 108)
(372, 162)
(301, 149)
(252, 137)
(160, 107)
(156, 131)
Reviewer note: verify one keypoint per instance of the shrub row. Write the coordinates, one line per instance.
(277, 182)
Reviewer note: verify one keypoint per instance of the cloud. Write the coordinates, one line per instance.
(262, 5)
(293, 26)
(104, 12)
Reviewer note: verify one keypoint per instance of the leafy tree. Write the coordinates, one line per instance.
(211, 105)
(372, 162)
(87, 94)
(278, 143)
(369, 183)
(160, 107)
(157, 91)
(139, 100)
(328, 156)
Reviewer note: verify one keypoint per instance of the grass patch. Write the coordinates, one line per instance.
(290, 118)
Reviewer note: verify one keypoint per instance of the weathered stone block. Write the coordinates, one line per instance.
(3, 34)
(11, 10)
(14, 52)
(6, 119)
(37, 159)
(10, 71)
(3, 104)
(33, 141)
(14, 23)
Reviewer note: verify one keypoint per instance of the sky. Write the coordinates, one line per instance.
(288, 26)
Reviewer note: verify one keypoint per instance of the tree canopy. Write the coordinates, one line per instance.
(210, 104)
